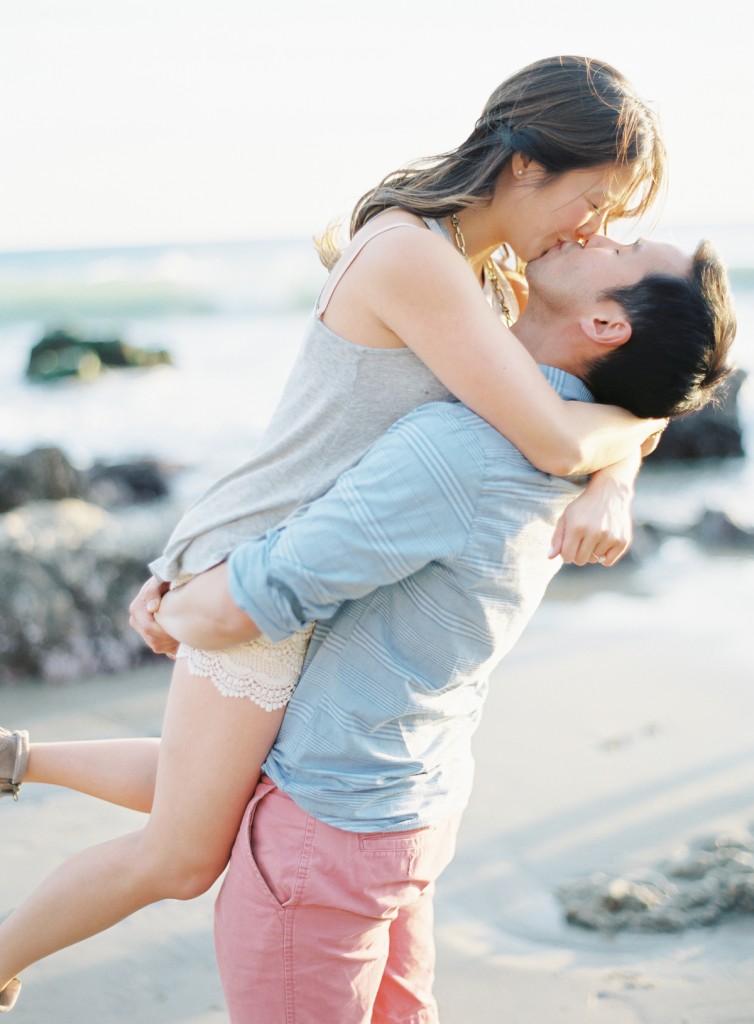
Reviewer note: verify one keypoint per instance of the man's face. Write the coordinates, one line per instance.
(570, 274)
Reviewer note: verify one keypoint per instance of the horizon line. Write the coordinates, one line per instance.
(94, 246)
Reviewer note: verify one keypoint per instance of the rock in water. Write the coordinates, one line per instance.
(61, 354)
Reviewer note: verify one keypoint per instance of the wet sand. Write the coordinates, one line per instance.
(619, 729)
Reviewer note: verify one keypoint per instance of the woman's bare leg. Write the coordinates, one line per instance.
(211, 752)
(122, 771)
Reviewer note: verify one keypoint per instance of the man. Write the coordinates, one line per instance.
(421, 567)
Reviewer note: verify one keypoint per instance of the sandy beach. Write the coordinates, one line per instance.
(618, 730)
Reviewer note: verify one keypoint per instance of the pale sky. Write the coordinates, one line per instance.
(192, 120)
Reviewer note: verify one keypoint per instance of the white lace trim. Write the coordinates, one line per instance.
(265, 672)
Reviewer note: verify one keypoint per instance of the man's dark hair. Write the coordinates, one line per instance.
(682, 329)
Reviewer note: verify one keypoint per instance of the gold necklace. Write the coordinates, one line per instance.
(489, 269)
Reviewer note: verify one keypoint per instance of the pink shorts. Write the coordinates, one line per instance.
(314, 924)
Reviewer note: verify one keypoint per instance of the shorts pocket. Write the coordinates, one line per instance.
(280, 842)
(394, 842)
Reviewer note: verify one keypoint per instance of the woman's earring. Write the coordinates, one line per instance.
(520, 173)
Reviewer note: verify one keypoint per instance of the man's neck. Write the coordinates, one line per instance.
(549, 341)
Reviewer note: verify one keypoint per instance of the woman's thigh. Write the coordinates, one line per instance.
(210, 756)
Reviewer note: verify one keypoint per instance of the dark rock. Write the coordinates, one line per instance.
(718, 529)
(61, 353)
(126, 483)
(712, 432)
(68, 572)
(46, 474)
(39, 474)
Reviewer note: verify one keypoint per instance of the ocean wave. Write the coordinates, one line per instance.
(46, 301)
(276, 276)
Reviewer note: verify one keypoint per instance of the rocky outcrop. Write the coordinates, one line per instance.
(61, 353)
(74, 548)
(126, 483)
(42, 473)
(46, 473)
(69, 572)
(711, 878)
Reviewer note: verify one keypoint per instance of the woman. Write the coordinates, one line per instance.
(415, 310)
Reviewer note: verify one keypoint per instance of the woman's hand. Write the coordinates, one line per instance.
(653, 440)
(597, 526)
(142, 618)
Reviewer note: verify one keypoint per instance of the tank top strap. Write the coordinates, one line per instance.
(335, 277)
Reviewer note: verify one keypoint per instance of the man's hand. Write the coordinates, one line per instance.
(142, 609)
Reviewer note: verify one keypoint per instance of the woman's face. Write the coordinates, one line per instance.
(541, 211)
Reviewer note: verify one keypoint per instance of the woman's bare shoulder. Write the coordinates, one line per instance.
(399, 276)
(384, 248)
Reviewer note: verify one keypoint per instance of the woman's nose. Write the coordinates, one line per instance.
(591, 226)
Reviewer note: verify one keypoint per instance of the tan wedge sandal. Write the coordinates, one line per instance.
(9, 995)
(14, 756)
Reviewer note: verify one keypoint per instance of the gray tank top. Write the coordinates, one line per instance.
(339, 398)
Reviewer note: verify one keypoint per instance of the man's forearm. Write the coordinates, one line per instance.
(203, 614)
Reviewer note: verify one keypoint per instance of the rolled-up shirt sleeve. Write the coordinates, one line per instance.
(408, 502)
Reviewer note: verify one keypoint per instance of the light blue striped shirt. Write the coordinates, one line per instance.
(422, 565)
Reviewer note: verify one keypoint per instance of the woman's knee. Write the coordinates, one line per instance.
(175, 870)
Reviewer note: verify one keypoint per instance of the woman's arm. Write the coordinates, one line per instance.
(415, 284)
(202, 614)
(597, 526)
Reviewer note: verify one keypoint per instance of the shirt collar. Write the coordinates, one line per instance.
(568, 387)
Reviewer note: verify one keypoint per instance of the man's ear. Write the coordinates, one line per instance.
(607, 326)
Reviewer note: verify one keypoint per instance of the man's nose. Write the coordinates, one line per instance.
(595, 241)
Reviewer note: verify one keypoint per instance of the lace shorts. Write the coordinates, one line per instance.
(265, 672)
